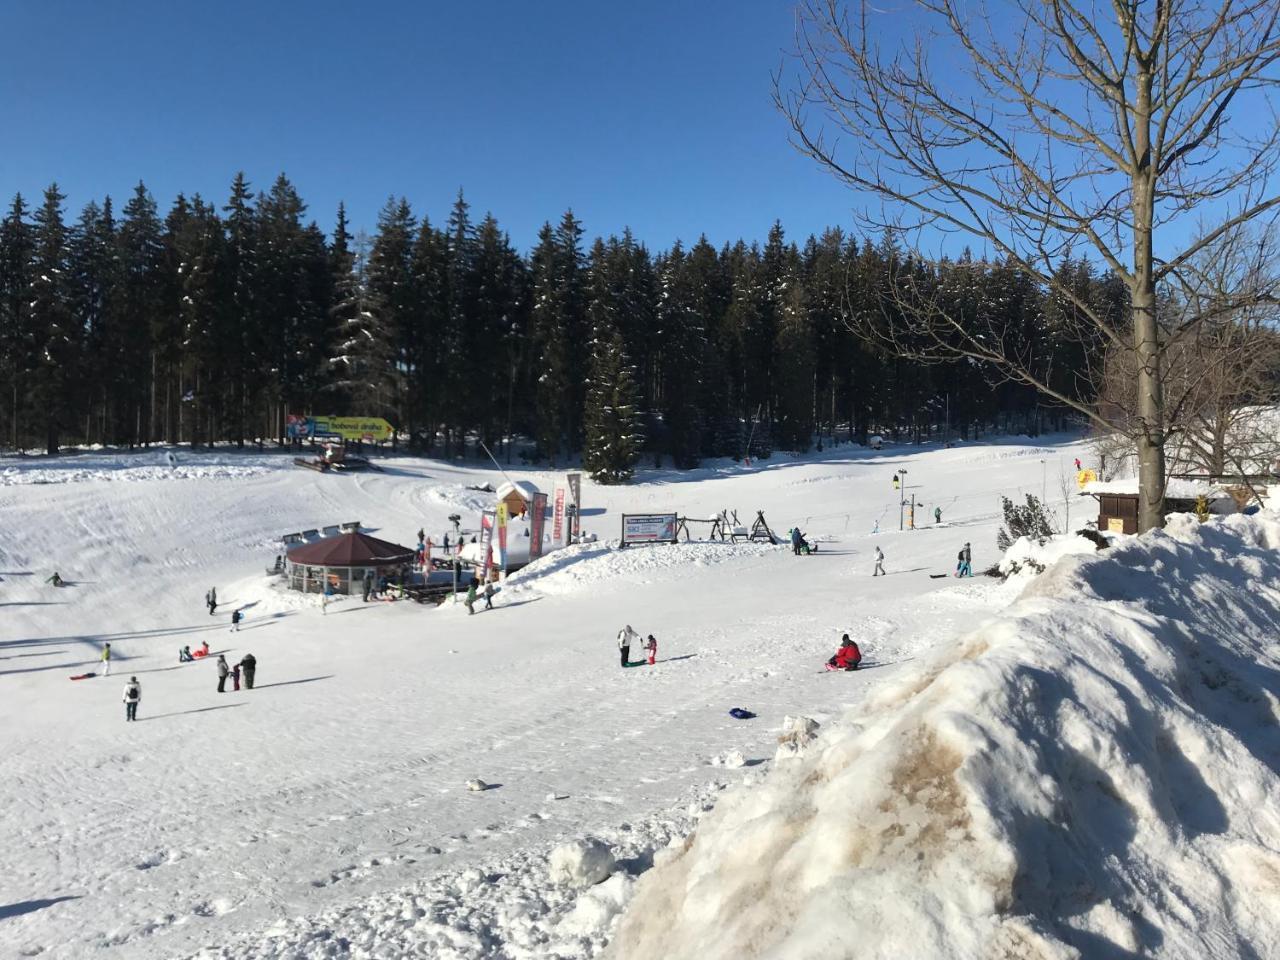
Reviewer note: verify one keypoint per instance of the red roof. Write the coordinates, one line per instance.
(351, 550)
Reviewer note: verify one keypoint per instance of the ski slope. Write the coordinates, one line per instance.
(326, 813)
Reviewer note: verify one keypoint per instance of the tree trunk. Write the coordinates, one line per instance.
(1146, 330)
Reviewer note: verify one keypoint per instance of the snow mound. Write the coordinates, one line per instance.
(580, 863)
(572, 568)
(20, 476)
(1026, 558)
(1094, 773)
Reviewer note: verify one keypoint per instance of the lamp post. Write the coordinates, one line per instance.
(902, 499)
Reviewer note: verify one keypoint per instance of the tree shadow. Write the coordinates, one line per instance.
(517, 603)
(683, 656)
(34, 603)
(289, 683)
(183, 713)
(9, 910)
(17, 656)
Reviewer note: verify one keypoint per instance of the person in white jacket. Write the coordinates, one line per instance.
(879, 571)
(625, 636)
(132, 696)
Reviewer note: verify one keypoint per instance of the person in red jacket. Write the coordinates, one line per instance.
(847, 657)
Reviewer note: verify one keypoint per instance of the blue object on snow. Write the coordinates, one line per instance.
(741, 714)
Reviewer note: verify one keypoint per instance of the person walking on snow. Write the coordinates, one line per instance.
(325, 596)
(248, 664)
(471, 598)
(132, 696)
(879, 571)
(211, 598)
(1077, 464)
(895, 481)
(652, 649)
(488, 596)
(937, 514)
(236, 617)
(235, 678)
(223, 670)
(625, 636)
(106, 659)
(964, 558)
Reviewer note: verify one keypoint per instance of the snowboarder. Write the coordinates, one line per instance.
(652, 649)
(249, 665)
(223, 670)
(132, 696)
(211, 599)
(847, 657)
(964, 561)
(236, 617)
(106, 659)
(235, 678)
(471, 598)
(184, 655)
(879, 571)
(56, 580)
(488, 596)
(625, 636)
(937, 514)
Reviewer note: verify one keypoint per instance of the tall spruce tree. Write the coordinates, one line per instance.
(57, 342)
(613, 439)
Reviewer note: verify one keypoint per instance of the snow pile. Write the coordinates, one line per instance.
(1092, 773)
(570, 569)
(581, 863)
(19, 476)
(1027, 557)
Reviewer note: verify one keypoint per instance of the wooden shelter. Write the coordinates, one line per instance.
(518, 496)
(1118, 501)
(345, 562)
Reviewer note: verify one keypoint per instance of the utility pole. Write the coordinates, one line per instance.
(902, 499)
(912, 515)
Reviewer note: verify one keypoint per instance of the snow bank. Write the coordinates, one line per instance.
(1026, 558)
(1092, 774)
(19, 476)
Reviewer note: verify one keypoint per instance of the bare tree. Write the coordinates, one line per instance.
(1051, 127)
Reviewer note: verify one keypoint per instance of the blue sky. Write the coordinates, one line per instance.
(655, 115)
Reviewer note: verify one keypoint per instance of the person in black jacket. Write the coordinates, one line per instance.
(247, 666)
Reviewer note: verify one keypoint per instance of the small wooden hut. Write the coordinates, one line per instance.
(345, 562)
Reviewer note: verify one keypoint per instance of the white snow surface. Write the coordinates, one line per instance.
(1092, 773)
(326, 813)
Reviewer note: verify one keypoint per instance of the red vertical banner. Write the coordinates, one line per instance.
(486, 543)
(575, 492)
(557, 522)
(537, 524)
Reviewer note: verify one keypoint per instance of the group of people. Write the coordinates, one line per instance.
(248, 665)
(627, 636)
(489, 591)
(799, 544)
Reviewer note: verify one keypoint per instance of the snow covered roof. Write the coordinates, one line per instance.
(350, 550)
(524, 488)
(1174, 489)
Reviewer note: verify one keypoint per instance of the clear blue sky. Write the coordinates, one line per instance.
(655, 115)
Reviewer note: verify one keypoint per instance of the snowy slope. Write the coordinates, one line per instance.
(1093, 773)
(281, 821)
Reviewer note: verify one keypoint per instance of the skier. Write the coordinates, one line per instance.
(895, 481)
(652, 649)
(879, 571)
(625, 636)
(236, 617)
(132, 695)
(56, 580)
(249, 665)
(471, 598)
(488, 596)
(964, 562)
(937, 514)
(211, 598)
(106, 659)
(235, 678)
(223, 670)
(184, 655)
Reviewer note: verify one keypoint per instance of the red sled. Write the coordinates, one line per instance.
(84, 676)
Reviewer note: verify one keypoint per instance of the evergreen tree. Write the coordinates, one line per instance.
(240, 344)
(17, 336)
(94, 282)
(362, 364)
(57, 342)
(389, 277)
(140, 309)
(613, 439)
(550, 332)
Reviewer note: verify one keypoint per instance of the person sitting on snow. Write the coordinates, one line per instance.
(56, 580)
(184, 655)
(847, 657)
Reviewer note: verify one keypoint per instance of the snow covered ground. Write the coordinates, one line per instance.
(327, 813)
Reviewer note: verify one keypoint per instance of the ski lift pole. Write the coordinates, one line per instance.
(911, 517)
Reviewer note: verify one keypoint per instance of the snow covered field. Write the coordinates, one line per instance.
(326, 812)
